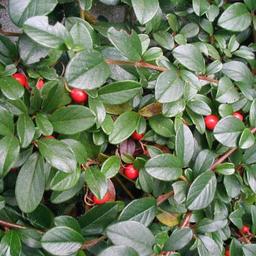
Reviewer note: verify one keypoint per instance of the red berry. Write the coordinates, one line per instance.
(211, 121)
(227, 252)
(245, 230)
(137, 136)
(130, 172)
(40, 84)
(105, 199)
(79, 96)
(49, 137)
(238, 115)
(22, 79)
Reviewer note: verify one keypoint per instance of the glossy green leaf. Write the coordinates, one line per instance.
(164, 167)
(30, 184)
(11, 88)
(72, 119)
(10, 244)
(202, 191)
(162, 126)
(119, 250)
(119, 92)
(190, 57)
(62, 241)
(57, 154)
(6, 124)
(121, 131)
(44, 124)
(87, 70)
(132, 234)
(227, 131)
(247, 139)
(111, 167)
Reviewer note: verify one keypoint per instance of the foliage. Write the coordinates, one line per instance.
(150, 82)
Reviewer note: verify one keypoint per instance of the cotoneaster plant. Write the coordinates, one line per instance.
(128, 139)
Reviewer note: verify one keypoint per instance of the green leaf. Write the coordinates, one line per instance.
(164, 39)
(8, 51)
(25, 130)
(178, 239)
(249, 156)
(111, 167)
(62, 241)
(200, 7)
(10, 244)
(10, 88)
(6, 124)
(38, 29)
(235, 18)
(249, 249)
(132, 234)
(72, 119)
(226, 93)
(128, 45)
(227, 131)
(208, 225)
(208, 246)
(21, 11)
(232, 185)
(142, 210)
(44, 124)
(184, 144)
(96, 181)
(9, 151)
(94, 221)
(169, 87)
(251, 177)
(164, 167)
(162, 126)
(87, 70)
(199, 106)
(252, 114)
(30, 184)
(225, 168)
(190, 57)
(190, 30)
(203, 162)
(247, 139)
(121, 130)
(63, 181)
(30, 51)
(238, 71)
(145, 10)
(57, 154)
(202, 191)
(119, 250)
(119, 92)
(58, 197)
(67, 221)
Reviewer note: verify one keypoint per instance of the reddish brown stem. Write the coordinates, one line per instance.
(164, 197)
(8, 33)
(186, 220)
(11, 225)
(91, 243)
(142, 64)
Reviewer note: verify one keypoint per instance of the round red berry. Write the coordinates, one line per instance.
(137, 136)
(227, 252)
(40, 84)
(245, 230)
(22, 79)
(130, 172)
(211, 121)
(105, 199)
(79, 96)
(238, 115)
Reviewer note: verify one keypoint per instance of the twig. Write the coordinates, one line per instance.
(128, 192)
(6, 224)
(164, 197)
(142, 64)
(186, 220)
(91, 243)
(8, 33)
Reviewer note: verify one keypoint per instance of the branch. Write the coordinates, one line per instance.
(227, 154)
(142, 64)
(186, 220)
(8, 33)
(11, 225)
(164, 197)
(90, 243)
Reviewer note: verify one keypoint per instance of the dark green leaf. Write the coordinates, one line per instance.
(162, 126)
(6, 124)
(11, 88)
(202, 191)
(44, 124)
(132, 234)
(62, 241)
(30, 184)
(57, 154)
(164, 167)
(10, 244)
(119, 250)
(111, 167)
